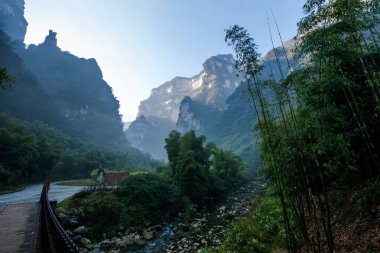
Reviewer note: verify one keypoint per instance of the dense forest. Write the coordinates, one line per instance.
(199, 175)
(32, 152)
(319, 135)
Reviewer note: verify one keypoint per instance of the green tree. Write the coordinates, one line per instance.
(5, 79)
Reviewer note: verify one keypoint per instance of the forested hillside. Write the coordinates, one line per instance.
(84, 101)
(32, 152)
(319, 135)
(59, 118)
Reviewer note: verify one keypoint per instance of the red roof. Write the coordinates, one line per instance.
(111, 178)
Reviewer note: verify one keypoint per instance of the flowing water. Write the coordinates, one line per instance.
(159, 242)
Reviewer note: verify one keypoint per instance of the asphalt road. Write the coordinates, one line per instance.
(31, 194)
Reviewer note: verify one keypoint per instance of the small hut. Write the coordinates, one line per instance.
(112, 178)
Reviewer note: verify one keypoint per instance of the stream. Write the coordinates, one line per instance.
(208, 227)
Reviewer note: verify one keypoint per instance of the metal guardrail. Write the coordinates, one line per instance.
(50, 237)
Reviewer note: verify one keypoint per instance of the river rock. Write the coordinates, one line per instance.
(86, 243)
(80, 230)
(69, 233)
(119, 243)
(183, 227)
(155, 228)
(97, 251)
(73, 222)
(136, 237)
(77, 238)
(140, 242)
(147, 234)
(105, 244)
(128, 240)
(61, 216)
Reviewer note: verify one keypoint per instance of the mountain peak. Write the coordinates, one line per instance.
(216, 62)
(212, 86)
(50, 40)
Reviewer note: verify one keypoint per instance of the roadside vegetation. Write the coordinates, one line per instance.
(198, 176)
(33, 152)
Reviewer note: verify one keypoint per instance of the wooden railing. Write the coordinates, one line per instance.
(50, 237)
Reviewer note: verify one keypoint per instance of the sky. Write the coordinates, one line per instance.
(140, 44)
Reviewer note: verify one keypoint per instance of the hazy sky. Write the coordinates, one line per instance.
(140, 44)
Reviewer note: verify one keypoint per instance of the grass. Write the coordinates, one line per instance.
(79, 182)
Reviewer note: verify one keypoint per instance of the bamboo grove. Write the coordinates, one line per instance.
(320, 127)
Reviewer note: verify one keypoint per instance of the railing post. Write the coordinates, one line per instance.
(49, 234)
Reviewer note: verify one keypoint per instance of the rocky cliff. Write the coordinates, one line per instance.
(212, 86)
(213, 103)
(12, 20)
(184, 103)
(85, 102)
(63, 90)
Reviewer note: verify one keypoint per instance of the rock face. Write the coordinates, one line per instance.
(55, 87)
(216, 82)
(212, 103)
(196, 116)
(12, 20)
(148, 134)
(85, 103)
(233, 130)
(184, 103)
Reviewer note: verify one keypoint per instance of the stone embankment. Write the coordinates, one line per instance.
(206, 229)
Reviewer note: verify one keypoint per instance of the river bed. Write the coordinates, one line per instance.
(210, 226)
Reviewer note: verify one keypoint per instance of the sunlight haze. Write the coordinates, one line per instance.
(139, 45)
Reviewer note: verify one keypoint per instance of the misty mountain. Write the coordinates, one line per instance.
(12, 20)
(148, 134)
(209, 89)
(194, 115)
(234, 129)
(25, 99)
(216, 106)
(212, 86)
(55, 87)
(85, 100)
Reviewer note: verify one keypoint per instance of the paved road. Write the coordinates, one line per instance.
(31, 194)
(18, 215)
(17, 223)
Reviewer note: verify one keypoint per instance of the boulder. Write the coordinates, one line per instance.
(80, 230)
(73, 222)
(140, 242)
(77, 238)
(86, 243)
(69, 233)
(128, 240)
(147, 234)
(105, 244)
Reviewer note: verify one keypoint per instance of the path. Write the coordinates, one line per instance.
(17, 227)
(31, 194)
(18, 213)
